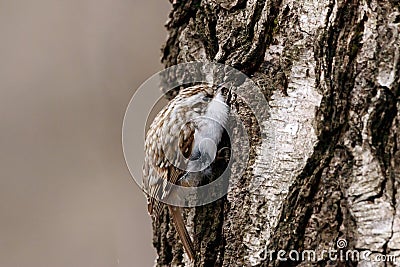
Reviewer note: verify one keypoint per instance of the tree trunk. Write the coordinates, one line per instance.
(330, 73)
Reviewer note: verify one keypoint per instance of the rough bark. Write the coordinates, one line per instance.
(325, 165)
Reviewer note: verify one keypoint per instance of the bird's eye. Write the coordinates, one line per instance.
(206, 99)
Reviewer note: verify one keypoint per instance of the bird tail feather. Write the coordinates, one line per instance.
(182, 231)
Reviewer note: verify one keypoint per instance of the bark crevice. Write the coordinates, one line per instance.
(330, 73)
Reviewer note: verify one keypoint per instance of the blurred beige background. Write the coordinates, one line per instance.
(68, 69)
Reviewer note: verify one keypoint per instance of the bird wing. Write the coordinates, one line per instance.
(178, 151)
(186, 138)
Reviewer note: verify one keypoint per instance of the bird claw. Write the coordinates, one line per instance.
(224, 154)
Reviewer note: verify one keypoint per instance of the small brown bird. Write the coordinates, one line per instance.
(182, 140)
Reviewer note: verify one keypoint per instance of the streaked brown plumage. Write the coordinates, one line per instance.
(174, 129)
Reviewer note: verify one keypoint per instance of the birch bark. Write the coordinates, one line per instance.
(328, 167)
